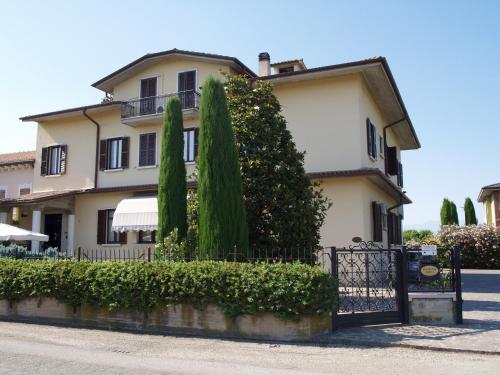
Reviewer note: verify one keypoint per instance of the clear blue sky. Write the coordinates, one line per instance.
(444, 55)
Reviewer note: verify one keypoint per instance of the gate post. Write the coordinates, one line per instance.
(458, 285)
(405, 308)
(334, 272)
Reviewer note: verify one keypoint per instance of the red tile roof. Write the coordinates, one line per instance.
(17, 158)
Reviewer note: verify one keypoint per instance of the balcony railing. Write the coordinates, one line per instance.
(156, 104)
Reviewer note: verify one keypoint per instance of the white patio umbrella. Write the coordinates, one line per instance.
(11, 233)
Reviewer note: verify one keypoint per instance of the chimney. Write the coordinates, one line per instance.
(264, 64)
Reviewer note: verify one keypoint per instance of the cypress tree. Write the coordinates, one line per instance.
(453, 213)
(172, 190)
(470, 212)
(222, 217)
(446, 212)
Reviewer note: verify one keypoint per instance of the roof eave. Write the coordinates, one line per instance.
(69, 111)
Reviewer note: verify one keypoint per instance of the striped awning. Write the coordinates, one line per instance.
(135, 214)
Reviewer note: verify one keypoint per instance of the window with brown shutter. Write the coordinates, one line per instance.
(114, 153)
(105, 233)
(371, 139)
(147, 149)
(53, 162)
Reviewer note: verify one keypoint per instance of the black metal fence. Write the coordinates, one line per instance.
(156, 104)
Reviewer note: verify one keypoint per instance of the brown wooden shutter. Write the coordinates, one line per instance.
(368, 137)
(151, 149)
(196, 133)
(143, 151)
(125, 151)
(64, 152)
(392, 161)
(377, 222)
(390, 227)
(400, 174)
(103, 152)
(44, 161)
(101, 226)
(123, 237)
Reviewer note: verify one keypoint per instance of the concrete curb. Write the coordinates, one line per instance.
(370, 343)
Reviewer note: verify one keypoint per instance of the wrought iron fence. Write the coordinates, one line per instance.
(156, 104)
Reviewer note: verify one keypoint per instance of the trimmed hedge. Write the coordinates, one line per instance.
(286, 290)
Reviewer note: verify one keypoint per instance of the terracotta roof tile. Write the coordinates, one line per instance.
(17, 158)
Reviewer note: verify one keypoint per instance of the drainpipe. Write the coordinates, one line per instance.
(384, 130)
(98, 131)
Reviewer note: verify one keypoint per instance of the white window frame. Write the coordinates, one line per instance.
(50, 147)
(109, 155)
(185, 150)
(108, 229)
(155, 165)
(24, 186)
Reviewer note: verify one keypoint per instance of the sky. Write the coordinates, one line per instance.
(444, 56)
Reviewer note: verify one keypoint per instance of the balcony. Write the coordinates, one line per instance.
(150, 110)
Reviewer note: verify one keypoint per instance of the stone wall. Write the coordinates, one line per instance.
(428, 308)
(180, 319)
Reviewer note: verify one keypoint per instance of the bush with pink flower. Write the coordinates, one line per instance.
(479, 244)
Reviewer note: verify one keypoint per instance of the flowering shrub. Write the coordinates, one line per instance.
(479, 244)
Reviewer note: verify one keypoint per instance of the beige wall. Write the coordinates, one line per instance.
(86, 207)
(350, 215)
(167, 77)
(79, 134)
(12, 179)
(327, 119)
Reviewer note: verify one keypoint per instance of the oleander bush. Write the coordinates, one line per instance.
(285, 290)
(479, 244)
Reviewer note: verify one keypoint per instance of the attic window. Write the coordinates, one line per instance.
(286, 69)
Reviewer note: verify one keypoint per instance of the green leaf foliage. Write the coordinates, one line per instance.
(284, 209)
(449, 214)
(415, 235)
(285, 290)
(470, 212)
(222, 218)
(172, 190)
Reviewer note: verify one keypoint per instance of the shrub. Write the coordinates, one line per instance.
(285, 290)
(479, 244)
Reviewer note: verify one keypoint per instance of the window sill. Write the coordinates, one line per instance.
(111, 244)
(372, 158)
(52, 175)
(113, 170)
(147, 167)
(190, 162)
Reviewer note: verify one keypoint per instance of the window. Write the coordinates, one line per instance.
(190, 144)
(381, 146)
(105, 233)
(147, 149)
(286, 69)
(147, 236)
(149, 90)
(24, 189)
(371, 134)
(392, 161)
(186, 87)
(400, 175)
(114, 153)
(394, 225)
(53, 161)
(3, 192)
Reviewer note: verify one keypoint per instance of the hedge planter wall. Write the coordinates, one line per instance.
(234, 299)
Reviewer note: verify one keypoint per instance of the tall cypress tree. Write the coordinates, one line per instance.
(222, 218)
(470, 212)
(453, 213)
(172, 190)
(446, 212)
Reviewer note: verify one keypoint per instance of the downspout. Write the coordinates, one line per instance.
(98, 131)
(384, 131)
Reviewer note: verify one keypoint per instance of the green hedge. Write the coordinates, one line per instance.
(286, 290)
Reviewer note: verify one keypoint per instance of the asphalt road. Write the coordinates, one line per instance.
(481, 295)
(34, 349)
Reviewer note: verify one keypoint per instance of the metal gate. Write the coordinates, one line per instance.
(372, 285)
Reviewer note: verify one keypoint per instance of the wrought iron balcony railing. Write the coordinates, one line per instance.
(156, 104)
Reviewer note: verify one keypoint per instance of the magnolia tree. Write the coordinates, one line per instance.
(479, 244)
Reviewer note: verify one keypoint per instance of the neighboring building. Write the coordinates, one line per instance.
(490, 197)
(16, 180)
(349, 118)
